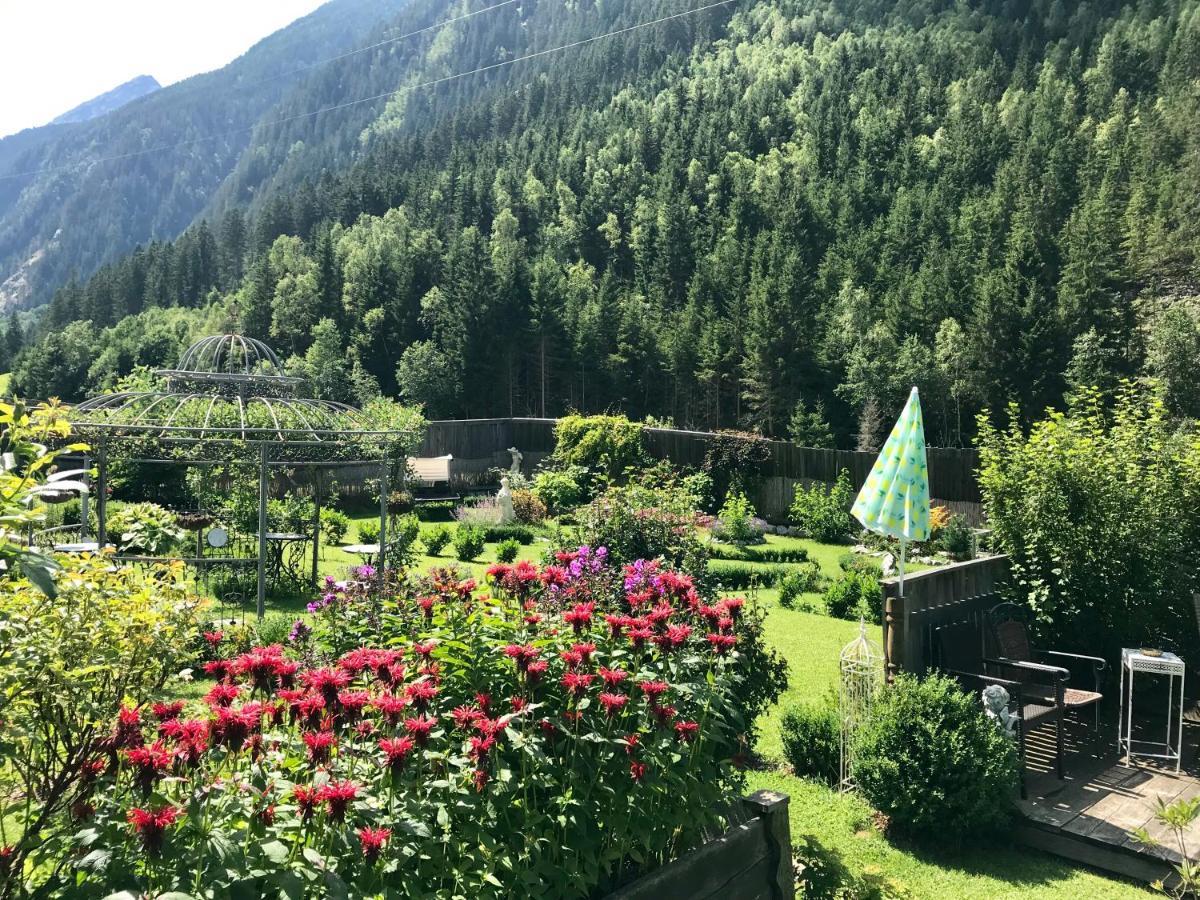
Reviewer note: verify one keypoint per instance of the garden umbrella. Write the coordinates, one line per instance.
(894, 501)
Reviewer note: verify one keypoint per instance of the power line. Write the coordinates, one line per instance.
(349, 103)
(323, 62)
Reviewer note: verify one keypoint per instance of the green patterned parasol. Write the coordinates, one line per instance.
(894, 501)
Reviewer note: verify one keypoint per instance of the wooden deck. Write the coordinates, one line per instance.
(1089, 817)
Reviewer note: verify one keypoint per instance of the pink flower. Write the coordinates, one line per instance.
(320, 744)
(420, 727)
(397, 751)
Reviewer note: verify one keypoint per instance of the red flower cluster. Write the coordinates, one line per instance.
(151, 826)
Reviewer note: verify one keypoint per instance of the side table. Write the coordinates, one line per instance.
(1134, 661)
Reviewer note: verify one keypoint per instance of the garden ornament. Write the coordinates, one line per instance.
(517, 458)
(995, 704)
(505, 502)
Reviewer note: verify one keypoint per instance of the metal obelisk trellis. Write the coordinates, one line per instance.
(861, 677)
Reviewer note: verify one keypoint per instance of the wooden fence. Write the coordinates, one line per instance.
(948, 595)
(752, 860)
(482, 444)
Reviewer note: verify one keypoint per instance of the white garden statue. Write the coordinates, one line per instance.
(517, 458)
(995, 704)
(505, 502)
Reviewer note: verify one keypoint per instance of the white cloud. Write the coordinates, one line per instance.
(55, 54)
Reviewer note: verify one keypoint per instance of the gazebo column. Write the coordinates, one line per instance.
(102, 495)
(383, 519)
(263, 487)
(318, 484)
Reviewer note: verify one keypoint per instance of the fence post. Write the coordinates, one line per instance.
(772, 808)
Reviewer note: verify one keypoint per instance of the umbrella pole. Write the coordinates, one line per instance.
(903, 547)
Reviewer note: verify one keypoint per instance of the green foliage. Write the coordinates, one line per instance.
(403, 532)
(956, 539)
(67, 663)
(368, 531)
(804, 579)
(561, 488)
(507, 550)
(437, 511)
(861, 564)
(734, 521)
(468, 542)
(25, 479)
(604, 446)
(528, 508)
(494, 534)
(436, 539)
(812, 741)
(735, 576)
(1177, 818)
(809, 427)
(335, 524)
(1100, 514)
(855, 595)
(823, 514)
(929, 758)
(734, 460)
(144, 528)
(644, 519)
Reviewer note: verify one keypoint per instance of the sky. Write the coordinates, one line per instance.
(55, 54)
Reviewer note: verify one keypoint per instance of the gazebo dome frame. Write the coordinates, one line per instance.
(227, 401)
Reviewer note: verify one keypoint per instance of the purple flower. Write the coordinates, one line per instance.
(365, 571)
(300, 632)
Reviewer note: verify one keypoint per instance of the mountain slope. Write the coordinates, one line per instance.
(777, 215)
(109, 100)
(76, 212)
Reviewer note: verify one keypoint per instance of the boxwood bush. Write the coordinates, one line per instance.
(931, 760)
(436, 539)
(812, 741)
(468, 542)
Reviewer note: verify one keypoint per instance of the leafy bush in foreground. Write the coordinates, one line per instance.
(552, 738)
(823, 514)
(931, 760)
(855, 595)
(468, 542)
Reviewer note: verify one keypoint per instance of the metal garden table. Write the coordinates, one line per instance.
(1134, 661)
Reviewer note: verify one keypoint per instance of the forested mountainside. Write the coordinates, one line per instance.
(774, 215)
(80, 210)
(110, 100)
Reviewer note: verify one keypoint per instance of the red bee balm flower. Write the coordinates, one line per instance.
(420, 727)
(327, 682)
(576, 683)
(151, 827)
(396, 750)
(420, 693)
(721, 643)
(613, 677)
(685, 731)
(337, 796)
(319, 744)
(151, 764)
(612, 703)
(306, 799)
(637, 770)
(129, 728)
(372, 840)
(579, 616)
(165, 712)
(653, 689)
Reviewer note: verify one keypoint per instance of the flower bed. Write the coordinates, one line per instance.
(555, 733)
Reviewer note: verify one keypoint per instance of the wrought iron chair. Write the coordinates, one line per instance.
(960, 654)
(1045, 673)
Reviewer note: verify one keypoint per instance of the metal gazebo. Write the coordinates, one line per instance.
(229, 401)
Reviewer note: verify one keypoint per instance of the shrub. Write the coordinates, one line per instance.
(930, 759)
(734, 461)
(561, 488)
(761, 554)
(812, 741)
(273, 629)
(468, 542)
(144, 528)
(481, 511)
(436, 511)
(400, 502)
(506, 551)
(402, 541)
(1098, 509)
(642, 520)
(436, 539)
(861, 563)
(494, 534)
(111, 635)
(956, 538)
(737, 576)
(855, 595)
(604, 446)
(824, 514)
(484, 729)
(804, 579)
(528, 509)
(736, 525)
(368, 531)
(335, 524)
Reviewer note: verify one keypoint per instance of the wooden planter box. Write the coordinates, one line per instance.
(750, 861)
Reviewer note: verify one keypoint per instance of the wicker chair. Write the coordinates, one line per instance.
(960, 654)
(1046, 673)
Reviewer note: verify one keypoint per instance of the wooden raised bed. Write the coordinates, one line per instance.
(750, 861)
